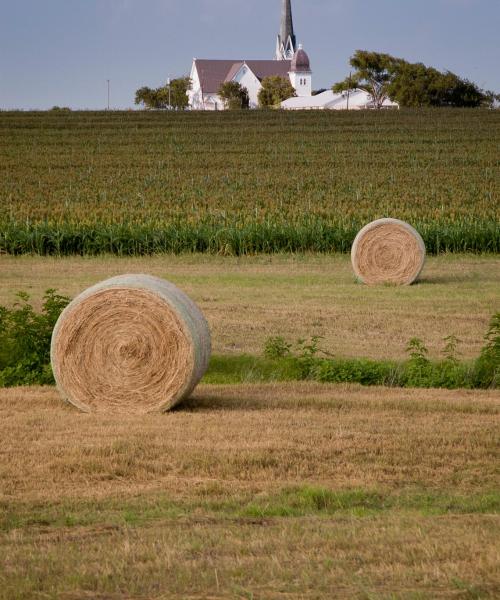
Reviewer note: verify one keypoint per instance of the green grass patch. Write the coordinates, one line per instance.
(290, 502)
(255, 369)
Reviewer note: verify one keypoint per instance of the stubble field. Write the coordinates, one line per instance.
(274, 491)
(289, 490)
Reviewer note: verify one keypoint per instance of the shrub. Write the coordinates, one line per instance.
(25, 340)
(487, 367)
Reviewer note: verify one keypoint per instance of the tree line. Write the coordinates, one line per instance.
(381, 75)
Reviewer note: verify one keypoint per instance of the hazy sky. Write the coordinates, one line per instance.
(60, 52)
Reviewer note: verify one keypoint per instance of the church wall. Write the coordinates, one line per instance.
(247, 79)
(194, 94)
(302, 82)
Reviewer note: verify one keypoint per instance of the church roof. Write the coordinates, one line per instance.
(268, 68)
(212, 73)
(286, 29)
(300, 61)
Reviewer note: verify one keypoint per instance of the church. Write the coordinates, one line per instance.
(290, 61)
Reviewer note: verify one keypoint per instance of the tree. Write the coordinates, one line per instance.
(179, 88)
(417, 85)
(234, 95)
(275, 90)
(173, 95)
(411, 84)
(374, 73)
(149, 98)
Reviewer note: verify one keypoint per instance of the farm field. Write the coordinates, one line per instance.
(255, 491)
(249, 299)
(239, 183)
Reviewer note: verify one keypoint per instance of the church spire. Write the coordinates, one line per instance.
(286, 44)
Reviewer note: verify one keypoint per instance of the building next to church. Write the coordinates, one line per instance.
(290, 61)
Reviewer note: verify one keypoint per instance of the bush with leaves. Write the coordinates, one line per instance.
(274, 90)
(234, 95)
(25, 340)
(487, 367)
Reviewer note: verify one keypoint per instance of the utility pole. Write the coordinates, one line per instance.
(349, 89)
(108, 80)
(169, 93)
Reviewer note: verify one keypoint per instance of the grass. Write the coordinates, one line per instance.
(253, 491)
(240, 183)
(249, 299)
(269, 491)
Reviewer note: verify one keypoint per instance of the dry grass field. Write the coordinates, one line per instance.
(275, 491)
(248, 299)
(269, 491)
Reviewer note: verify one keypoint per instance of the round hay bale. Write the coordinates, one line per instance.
(132, 344)
(388, 251)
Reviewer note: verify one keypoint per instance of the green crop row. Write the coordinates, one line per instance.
(242, 182)
(236, 239)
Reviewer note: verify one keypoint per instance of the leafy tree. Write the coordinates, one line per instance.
(411, 84)
(179, 88)
(234, 95)
(374, 73)
(274, 90)
(418, 85)
(173, 95)
(149, 98)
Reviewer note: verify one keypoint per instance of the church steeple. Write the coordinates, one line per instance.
(286, 43)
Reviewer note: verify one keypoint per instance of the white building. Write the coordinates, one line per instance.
(352, 100)
(208, 75)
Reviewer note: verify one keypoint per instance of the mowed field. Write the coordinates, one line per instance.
(289, 490)
(249, 299)
(272, 491)
(257, 491)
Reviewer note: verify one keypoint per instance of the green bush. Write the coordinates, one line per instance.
(25, 340)
(487, 367)
(25, 337)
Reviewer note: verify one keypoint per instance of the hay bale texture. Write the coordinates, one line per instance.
(133, 344)
(388, 251)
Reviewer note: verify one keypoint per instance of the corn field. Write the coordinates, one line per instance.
(245, 182)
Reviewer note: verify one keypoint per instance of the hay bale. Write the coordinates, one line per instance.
(133, 343)
(388, 251)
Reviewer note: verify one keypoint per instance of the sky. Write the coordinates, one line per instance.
(62, 52)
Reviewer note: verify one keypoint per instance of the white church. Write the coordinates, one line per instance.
(290, 61)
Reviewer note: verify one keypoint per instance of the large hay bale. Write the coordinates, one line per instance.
(388, 251)
(133, 343)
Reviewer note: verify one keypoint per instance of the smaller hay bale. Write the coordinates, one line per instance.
(131, 344)
(388, 251)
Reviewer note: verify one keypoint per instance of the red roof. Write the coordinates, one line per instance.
(214, 72)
